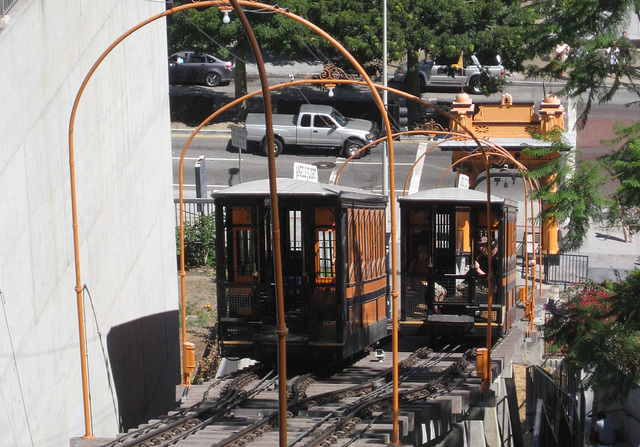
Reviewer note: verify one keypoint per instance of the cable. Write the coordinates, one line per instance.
(106, 360)
(15, 363)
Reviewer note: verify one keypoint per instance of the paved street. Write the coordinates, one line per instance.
(606, 248)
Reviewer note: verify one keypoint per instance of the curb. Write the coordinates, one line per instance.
(189, 131)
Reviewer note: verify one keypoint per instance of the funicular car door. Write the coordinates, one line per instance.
(242, 261)
(417, 242)
(322, 304)
(452, 258)
(295, 268)
(444, 254)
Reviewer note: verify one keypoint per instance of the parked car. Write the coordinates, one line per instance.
(315, 125)
(190, 67)
(433, 74)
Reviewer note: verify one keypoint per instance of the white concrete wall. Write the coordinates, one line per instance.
(626, 416)
(125, 214)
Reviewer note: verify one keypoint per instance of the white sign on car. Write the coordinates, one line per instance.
(303, 171)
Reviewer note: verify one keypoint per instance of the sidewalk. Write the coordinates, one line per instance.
(608, 252)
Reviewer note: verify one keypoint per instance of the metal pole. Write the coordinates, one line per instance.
(281, 328)
(385, 98)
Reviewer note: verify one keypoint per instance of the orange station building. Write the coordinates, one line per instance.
(509, 126)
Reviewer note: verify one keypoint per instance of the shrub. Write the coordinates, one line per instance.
(199, 242)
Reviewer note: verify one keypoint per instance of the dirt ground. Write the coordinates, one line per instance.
(201, 318)
(520, 376)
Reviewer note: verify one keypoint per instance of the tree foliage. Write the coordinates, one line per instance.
(599, 64)
(623, 166)
(592, 28)
(444, 29)
(597, 329)
(441, 28)
(570, 191)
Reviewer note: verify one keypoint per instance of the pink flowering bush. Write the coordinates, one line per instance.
(597, 329)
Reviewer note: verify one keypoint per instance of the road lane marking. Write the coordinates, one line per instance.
(416, 175)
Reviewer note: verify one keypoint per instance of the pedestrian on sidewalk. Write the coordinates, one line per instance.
(562, 51)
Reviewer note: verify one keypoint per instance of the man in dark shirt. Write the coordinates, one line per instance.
(603, 430)
(481, 265)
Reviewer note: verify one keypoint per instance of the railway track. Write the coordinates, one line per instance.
(351, 407)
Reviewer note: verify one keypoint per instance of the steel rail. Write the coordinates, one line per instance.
(189, 420)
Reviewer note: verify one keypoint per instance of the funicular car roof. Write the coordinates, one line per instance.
(293, 187)
(454, 195)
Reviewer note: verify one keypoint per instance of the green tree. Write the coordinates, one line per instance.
(600, 62)
(570, 191)
(597, 329)
(444, 29)
(623, 166)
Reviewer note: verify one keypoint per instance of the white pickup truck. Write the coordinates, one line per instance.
(314, 125)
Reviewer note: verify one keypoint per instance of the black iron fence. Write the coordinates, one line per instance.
(193, 209)
(565, 269)
(558, 419)
(561, 269)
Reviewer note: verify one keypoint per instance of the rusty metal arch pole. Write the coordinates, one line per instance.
(281, 327)
(394, 291)
(78, 288)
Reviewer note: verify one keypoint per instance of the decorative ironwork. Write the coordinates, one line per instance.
(331, 71)
(432, 126)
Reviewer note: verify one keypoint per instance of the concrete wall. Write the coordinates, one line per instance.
(125, 221)
(626, 416)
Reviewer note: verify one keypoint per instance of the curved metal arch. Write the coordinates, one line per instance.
(83, 85)
(532, 183)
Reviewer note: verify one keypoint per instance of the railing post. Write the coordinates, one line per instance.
(537, 425)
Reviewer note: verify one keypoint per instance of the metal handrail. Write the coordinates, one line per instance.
(193, 209)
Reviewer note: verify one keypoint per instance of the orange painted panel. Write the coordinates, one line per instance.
(241, 215)
(382, 307)
(369, 312)
(366, 287)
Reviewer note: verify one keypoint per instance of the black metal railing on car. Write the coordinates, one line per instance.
(193, 209)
